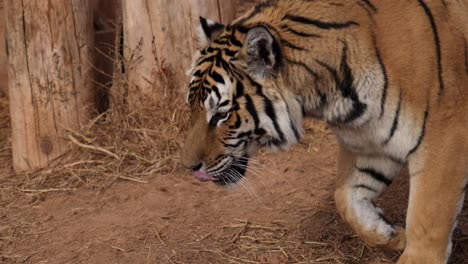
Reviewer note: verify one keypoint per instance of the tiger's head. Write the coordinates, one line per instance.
(235, 102)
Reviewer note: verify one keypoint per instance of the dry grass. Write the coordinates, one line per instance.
(118, 144)
(276, 242)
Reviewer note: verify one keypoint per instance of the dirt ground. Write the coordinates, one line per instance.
(286, 216)
(289, 217)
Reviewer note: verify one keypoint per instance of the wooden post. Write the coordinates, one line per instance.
(160, 38)
(50, 76)
(3, 53)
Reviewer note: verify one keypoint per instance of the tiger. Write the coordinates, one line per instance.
(388, 77)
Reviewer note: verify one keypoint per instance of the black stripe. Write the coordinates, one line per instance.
(396, 160)
(195, 83)
(323, 97)
(219, 59)
(395, 122)
(198, 73)
(301, 34)
(249, 105)
(423, 132)
(239, 89)
(344, 84)
(370, 5)
(290, 45)
(237, 124)
(256, 85)
(207, 59)
(376, 175)
(385, 87)
(363, 186)
(241, 165)
(244, 134)
(203, 94)
(291, 124)
(224, 64)
(233, 71)
(294, 129)
(217, 77)
(241, 29)
(271, 113)
(240, 135)
(258, 8)
(222, 41)
(303, 65)
(219, 158)
(320, 24)
(224, 103)
(357, 110)
(216, 91)
(236, 144)
(235, 41)
(260, 131)
(210, 29)
(437, 44)
(230, 53)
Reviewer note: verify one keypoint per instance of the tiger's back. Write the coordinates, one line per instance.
(405, 57)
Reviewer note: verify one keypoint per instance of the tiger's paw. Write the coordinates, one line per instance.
(395, 241)
(398, 241)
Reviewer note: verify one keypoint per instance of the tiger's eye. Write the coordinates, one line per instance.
(217, 117)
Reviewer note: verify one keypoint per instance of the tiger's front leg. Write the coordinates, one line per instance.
(437, 189)
(361, 181)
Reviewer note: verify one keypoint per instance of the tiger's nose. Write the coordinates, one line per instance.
(198, 167)
(193, 166)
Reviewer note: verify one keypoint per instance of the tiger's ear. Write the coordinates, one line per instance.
(208, 31)
(261, 52)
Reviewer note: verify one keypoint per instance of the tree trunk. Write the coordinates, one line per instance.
(3, 53)
(50, 76)
(160, 39)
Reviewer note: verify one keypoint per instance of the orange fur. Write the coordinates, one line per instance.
(390, 77)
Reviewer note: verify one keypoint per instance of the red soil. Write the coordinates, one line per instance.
(176, 219)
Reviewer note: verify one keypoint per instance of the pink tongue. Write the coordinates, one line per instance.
(202, 176)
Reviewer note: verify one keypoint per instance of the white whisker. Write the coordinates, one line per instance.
(262, 166)
(247, 184)
(257, 173)
(256, 166)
